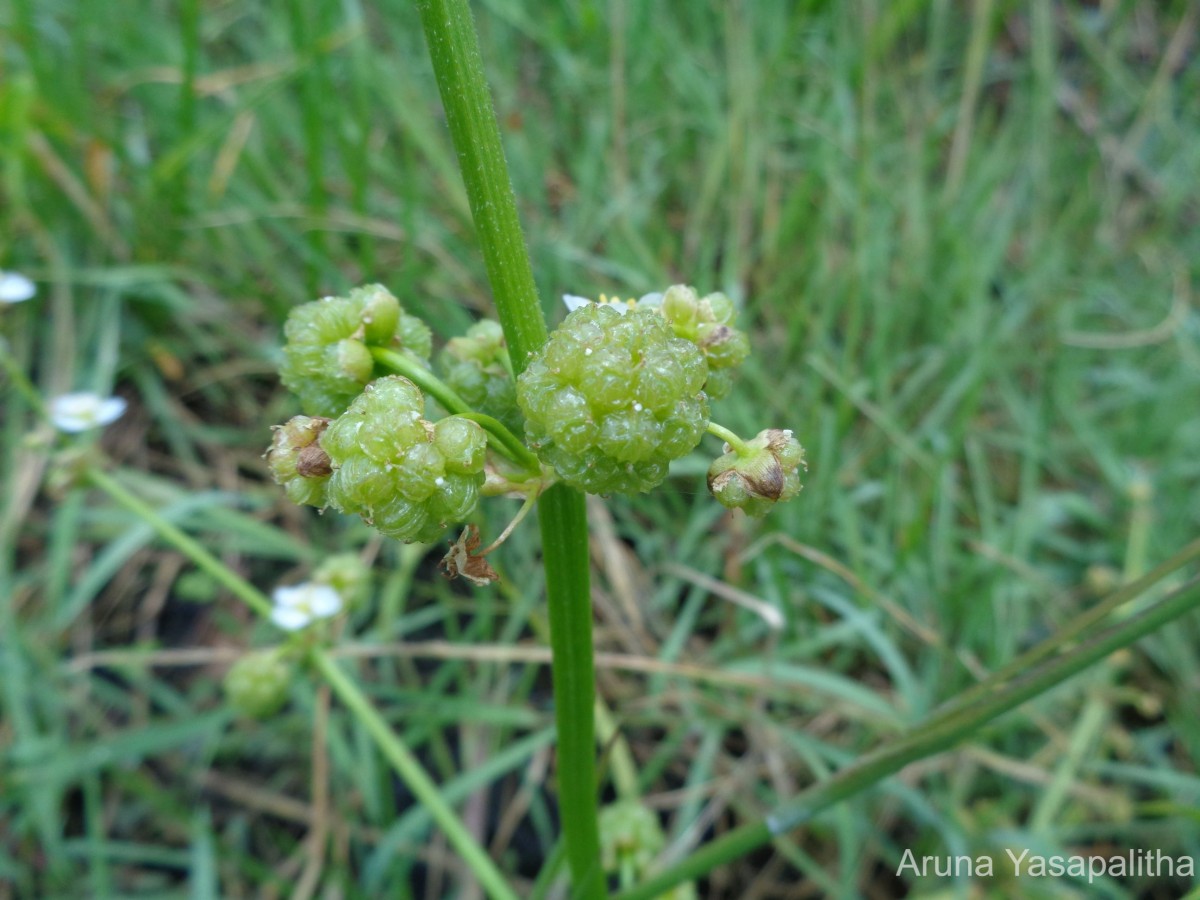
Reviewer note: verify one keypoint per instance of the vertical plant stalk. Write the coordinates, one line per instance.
(563, 518)
(458, 66)
(189, 32)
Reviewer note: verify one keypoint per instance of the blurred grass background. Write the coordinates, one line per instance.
(964, 237)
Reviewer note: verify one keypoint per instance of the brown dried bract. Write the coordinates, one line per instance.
(460, 561)
(718, 335)
(764, 480)
(313, 462)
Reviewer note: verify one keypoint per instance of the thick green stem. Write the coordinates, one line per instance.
(565, 557)
(936, 735)
(458, 66)
(414, 776)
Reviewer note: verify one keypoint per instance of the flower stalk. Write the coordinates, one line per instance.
(458, 67)
(397, 753)
(501, 439)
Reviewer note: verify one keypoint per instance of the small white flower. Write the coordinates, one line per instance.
(15, 287)
(652, 300)
(299, 606)
(81, 411)
(573, 303)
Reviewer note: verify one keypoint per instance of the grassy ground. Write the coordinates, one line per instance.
(964, 245)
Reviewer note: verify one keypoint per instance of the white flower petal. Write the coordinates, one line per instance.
(111, 409)
(573, 303)
(15, 287)
(324, 601)
(289, 596)
(652, 300)
(82, 411)
(289, 618)
(300, 605)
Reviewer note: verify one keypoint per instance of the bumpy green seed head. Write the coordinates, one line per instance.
(708, 323)
(257, 684)
(768, 472)
(629, 833)
(327, 359)
(475, 366)
(403, 474)
(612, 398)
(297, 461)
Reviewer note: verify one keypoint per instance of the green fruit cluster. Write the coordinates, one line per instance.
(610, 399)
(629, 833)
(327, 359)
(616, 393)
(476, 367)
(708, 323)
(404, 475)
(347, 574)
(256, 686)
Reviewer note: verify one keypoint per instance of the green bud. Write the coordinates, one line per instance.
(716, 307)
(681, 307)
(708, 323)
(414, 338)
(718, 384)
(380, 313)
(629, 833)
(462, 443)
(347, 574)
(612, 397)
(354, 362)
(766, 472)
(725, 347)
(257, 684)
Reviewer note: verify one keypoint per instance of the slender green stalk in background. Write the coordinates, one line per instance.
(457, 63)
(189, 39)
(1069, 632)
(402, 760)
(422, 786)
(305, 27)
(935, 735)
(184, 543)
